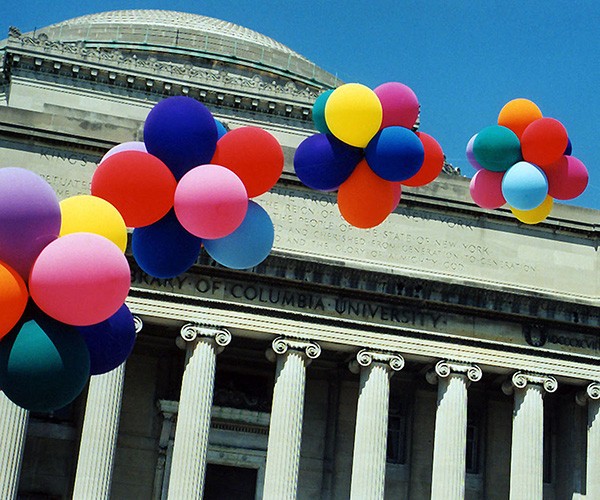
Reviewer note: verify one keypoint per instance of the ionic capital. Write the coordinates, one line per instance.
(191, 333)
(445, 368)
(591, 392)
(365, 357)
(138, 323)
(520, 380)
(281, 345)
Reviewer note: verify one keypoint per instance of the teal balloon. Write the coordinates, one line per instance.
(44, 364)
(318, 112)
(524, 186)
(497, 148)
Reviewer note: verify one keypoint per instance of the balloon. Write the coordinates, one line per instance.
(544, 141)
(44, 364)
(249, 244)
(182, 133)
(399, 103)
(221, 130)
(397, 189)
(254, 155)
(535, 215)
(496, 148)
(318, 112)
(323, 162)
(29, 218)
(524, 186)
(210, 201)
(433, 163)
(471, 156)
(518, 114)
(110, 342)
(567, 178)
(365, 199)
(125, 146)
(486, 189)
(13, 298)
(90, 214)
(395, 153)
(165, 249)
(569, 149)
(80, 279)
(353, 114)
(139, 185)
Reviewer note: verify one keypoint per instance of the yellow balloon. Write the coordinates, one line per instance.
(90, 214)
(353, 114)
(536, 215)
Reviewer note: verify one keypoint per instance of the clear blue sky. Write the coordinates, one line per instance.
(464, 60)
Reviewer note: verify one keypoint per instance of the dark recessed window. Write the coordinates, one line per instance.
(226, 482)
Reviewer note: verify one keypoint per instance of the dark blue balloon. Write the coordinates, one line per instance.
(182, 133)
(249, 244)
(323, 162)
(110, 342)
(318, 112)
(165, 249)
(569, 149)
(395, 153)
(221, 130)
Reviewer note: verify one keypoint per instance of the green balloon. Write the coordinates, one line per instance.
(318, 112)
(44, 364)
(497, 148)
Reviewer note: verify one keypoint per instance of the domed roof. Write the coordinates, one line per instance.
(170, 31)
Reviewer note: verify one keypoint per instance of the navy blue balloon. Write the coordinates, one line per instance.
(569, 149)
(165, 249)
(221, 130)
(395, 153)
(182, 133)
(323, 162)
(110, 342)
(249, 244)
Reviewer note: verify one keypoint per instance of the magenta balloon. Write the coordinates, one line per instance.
(471, 156)
(486, 189)
(400, 104)
(80, 279)
(211, 201)
(125, 146)
(567, 178)
(29, 218)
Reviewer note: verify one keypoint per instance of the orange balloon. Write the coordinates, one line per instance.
(365, 199)
(544, 141)
(13, 298)
(518, 114)
(432, 163)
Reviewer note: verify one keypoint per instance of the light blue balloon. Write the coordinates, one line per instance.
(524, 186)
(221, 130)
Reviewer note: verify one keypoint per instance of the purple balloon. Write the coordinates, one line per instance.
(29, 218)
(471, 156)
(125, 146)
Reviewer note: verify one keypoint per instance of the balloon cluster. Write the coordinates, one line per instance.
(524, 161)
(367, 150)
(188, 185)
(63, 282)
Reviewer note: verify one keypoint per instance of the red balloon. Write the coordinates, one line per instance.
(365, 199)
(432, 163)
(139, 185)
(567, 178)
(254, 155)
(13, 298)
(544, 141)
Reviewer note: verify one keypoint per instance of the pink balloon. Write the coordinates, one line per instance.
(80, 279)
(471, 156)
(400, 104)
(125, 146)
(486, 189)
(211, 201)
(567, 178)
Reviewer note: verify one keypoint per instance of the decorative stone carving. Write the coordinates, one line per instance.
(138, 323)
(191, 331)
(519, 380)
(445, 368)
(591, 392)
(281, 344)
(366, 357)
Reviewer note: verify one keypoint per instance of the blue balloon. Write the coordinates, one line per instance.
(165, 249)
(44, 364)
(182, 133)
(249, 244)
(524, 186)
(323, 162)
(221, 130)
(318, 112)
(395, 153)
(110, 342)
(569, 148)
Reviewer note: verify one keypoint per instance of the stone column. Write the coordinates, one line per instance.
(370, 439)
(527, 450)
(450, 442)
(591, 396)
(285, 428)
(193, 419)
(13, 427)
(98, 444)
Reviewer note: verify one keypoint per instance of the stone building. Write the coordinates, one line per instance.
(449, 353)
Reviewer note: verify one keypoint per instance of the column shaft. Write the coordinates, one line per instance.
(13, 427)
(593, 449)
(99, 435)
